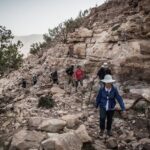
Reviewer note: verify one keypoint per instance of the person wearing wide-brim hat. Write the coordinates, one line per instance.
(104, 70)
(106, 102)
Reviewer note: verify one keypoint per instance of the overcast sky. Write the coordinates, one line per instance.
(25, 17)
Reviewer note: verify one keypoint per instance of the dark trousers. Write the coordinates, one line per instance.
(55, 81)
(103, 115)
(34, 82)
(77, 83)
(70, 80)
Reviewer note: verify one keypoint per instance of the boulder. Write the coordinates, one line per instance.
(112, 143)
(25, 139)
(141, 105)
(72, 140)
(52, 125)
(46, 124)
(55, 90)
(144, 92)
(83, 134)
(145, 143)
(72, 120)
(66, 141)
(34, 122)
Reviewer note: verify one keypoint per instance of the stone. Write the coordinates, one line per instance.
(34, 122)
(25, 139)
(65, 141)
(144, 141)
(72, 120)
(144, 92)
(82, 134)
(46, 124)
(55, 90)
(52, 125)
(112, 143)
(141, 105)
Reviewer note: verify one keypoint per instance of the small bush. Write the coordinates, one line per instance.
(46, 102)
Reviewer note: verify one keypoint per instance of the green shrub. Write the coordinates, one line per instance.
(46, 102)
(10, 58)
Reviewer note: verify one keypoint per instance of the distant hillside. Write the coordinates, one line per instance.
(27, 41)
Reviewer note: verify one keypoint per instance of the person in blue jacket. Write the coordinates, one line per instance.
(106, 101)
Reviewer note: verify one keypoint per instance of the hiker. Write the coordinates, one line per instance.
(78, 76)
(133, 3)
(54, 76)
(23, 83)
(106, 102)
(104, 70)
(70, 72)
(70, 51)
(34, 79)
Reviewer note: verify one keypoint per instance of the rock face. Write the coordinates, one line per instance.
(80, 50)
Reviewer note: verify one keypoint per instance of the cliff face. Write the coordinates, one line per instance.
(118, 32)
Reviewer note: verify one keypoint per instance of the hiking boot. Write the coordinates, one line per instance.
(109, 133)
(101, 132)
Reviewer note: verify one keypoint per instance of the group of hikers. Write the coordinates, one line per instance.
(106, 97)
(24, 81)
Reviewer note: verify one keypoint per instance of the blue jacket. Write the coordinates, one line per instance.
(103, 96)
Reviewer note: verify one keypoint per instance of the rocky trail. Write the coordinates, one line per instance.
(118, 36)
(72, 111)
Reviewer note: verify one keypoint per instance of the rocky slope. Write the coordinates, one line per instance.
(116, 32)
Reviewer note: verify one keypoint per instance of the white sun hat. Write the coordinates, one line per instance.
(108, 79)
(105, 63)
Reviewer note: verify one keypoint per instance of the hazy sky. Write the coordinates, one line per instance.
(25, 17)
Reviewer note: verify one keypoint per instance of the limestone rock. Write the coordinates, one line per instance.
(145, 93)
(83, 32)
(52, 125)
(66, 141)
(80, 50)
(82, 134)
(72, 120)
(55, 90)
(46, 124)
(34, 122)
(112, 143)
(25, 139)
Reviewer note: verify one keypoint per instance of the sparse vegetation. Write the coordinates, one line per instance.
(46, 102)
(10, 58)
(59, 33)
